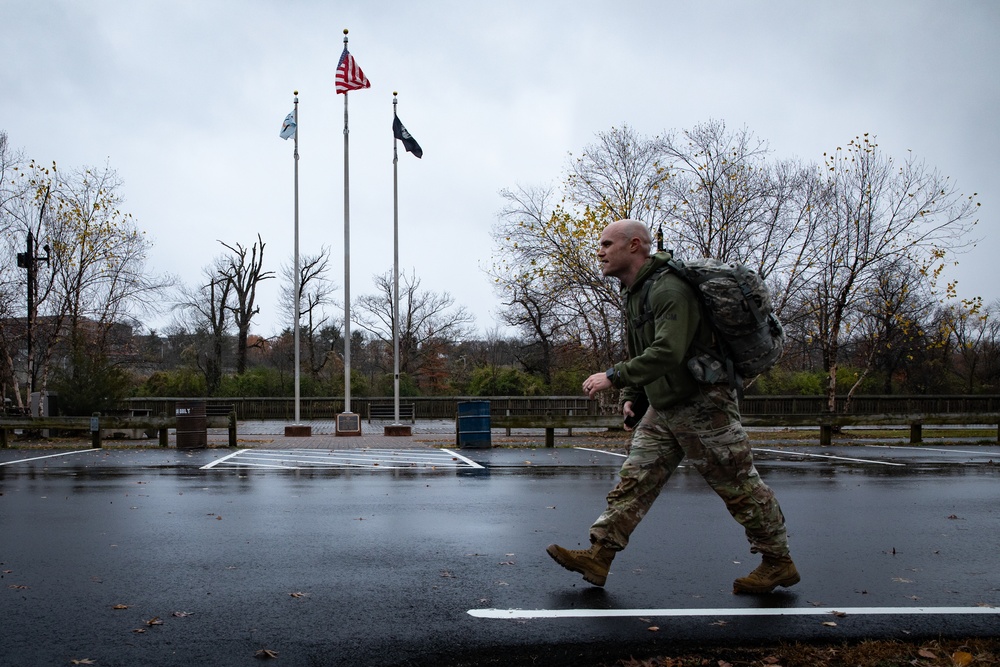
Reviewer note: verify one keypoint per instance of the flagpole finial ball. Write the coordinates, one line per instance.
(394, 93)
(345, 31)
(295, 92)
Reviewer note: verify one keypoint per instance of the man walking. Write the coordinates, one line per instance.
(686, 419)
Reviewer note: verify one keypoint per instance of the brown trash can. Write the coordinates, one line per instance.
(192, 425)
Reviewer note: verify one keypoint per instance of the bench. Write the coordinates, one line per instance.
(383, 411)
(551, 422)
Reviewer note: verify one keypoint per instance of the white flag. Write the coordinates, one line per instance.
(288, 127)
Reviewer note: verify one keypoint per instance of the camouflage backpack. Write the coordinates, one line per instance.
(737, 305)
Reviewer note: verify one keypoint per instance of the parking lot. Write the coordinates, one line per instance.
(419, 553)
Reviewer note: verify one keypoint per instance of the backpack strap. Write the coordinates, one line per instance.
(646, 313)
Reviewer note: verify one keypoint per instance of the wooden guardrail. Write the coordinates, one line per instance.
(828, 422)
(551, 422)
(444, 407)
(825, 422)
(97, 424)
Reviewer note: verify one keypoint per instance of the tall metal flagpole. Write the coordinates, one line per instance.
(347, 260)
(395, 269)
(298, 277)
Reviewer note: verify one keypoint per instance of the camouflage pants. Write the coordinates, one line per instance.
(707, 430)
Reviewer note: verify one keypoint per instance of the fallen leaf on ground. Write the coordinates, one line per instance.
(925, 653)
(120, 606)
(154, 621)
(265, 653)
(829, 624)
(83, 661)
(839, 614)
(653, 628)
(961, 658)
(298, 595)
(181, 614)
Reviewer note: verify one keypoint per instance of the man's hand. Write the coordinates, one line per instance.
(595, 383)
(626, 413)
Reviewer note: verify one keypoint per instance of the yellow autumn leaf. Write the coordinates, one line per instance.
(961, 658)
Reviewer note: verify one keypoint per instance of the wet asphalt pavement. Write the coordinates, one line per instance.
(428, 556)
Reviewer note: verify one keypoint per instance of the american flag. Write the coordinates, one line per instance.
(349, 75)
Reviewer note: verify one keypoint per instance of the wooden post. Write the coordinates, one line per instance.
(550, 436)
(161, 432)
(95, 430)
(232, 428)
(825, 435)
(916, 433)
(4, 435)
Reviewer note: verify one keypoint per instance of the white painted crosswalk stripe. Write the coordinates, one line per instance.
(345, 459)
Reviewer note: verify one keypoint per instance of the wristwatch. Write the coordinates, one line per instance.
(612, 374)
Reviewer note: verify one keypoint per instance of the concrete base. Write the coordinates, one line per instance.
(298, 431)
(397, 429)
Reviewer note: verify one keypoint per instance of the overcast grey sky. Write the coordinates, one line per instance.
(185, 99)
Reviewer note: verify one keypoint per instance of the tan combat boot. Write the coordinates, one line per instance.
(592, 563)
(770, 573)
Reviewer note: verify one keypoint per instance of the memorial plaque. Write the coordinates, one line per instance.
(348, 423)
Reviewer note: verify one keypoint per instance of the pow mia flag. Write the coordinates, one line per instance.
(409, 143)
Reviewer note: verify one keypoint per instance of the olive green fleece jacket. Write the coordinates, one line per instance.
(660, 348)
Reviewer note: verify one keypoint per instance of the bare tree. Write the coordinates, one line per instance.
(243, 269)
(205, 312)
(425, 320)
(976, 332)
(620, 176)
(315, 289)
(878, 213)
(86, 271)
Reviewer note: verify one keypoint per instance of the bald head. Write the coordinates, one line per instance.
(628, 229)
(623, 249)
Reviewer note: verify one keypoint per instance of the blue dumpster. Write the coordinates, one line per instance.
(473, 424)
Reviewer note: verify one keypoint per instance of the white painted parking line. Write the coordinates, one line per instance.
(224, 458)
(755, 611)
(826, 456)
(469, 462)
(933, 449)
(49, 456)
(349, 459)
(601, 451)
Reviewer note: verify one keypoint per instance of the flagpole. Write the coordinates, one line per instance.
(298, 277)
(347, 258)
(347, 422)
(395, 268)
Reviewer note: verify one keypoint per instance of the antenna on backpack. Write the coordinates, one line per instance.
(659, 238)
